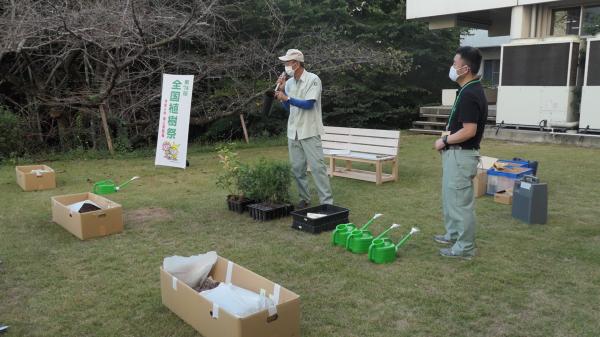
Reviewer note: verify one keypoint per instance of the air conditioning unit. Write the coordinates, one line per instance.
(590, 93)
(538, 78)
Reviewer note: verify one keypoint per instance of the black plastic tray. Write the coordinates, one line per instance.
(335, 215)
(239, 206)
(264, 212)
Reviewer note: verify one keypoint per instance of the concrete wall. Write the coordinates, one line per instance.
(429, 8)
(525, 136)
(490, 53)
(518, 18)
(480, 38)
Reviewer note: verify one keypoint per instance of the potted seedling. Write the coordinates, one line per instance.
(232, 178)
(269, 183)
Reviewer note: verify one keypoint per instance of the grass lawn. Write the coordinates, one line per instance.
(541, 280)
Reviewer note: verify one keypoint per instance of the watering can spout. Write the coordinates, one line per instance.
(366, 226)
(127, 182)
(407, 237)
(386, 231)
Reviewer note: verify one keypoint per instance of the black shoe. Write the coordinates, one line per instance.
(442, 239)
(302, 205)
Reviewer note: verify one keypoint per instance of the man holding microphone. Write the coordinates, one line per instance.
(301, 96)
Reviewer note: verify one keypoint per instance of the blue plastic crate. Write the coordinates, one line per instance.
(515, 163)
(501, 180)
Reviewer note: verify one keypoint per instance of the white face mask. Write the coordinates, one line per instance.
(289, 71)
(453, 74)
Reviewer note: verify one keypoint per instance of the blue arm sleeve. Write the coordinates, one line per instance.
(286, 105)
(301, 103)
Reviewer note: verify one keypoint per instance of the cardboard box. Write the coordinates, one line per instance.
(480, 180)
(211, 321)
(480, 183)
(504, 197)
(108, 220)
(45, 179)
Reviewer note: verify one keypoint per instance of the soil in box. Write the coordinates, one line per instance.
(266, 211)
(238, 205)
(334, 215)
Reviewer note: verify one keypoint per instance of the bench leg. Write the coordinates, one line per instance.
(395, 169)
(331, 166)
(348, 165)
(378, 172)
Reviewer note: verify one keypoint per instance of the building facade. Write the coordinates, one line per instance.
(544, 59)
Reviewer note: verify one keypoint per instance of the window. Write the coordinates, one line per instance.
(491, 72)
(594, 67)
(566, 21)
(541, 65)
(591, 21)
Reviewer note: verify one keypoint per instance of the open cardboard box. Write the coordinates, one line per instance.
(108, 220)
(504, 197)
(31, 181)
(211, 321)
(480, 180)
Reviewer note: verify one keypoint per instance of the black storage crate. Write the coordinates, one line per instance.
(239, 206)
(266, 212)
(335, 215)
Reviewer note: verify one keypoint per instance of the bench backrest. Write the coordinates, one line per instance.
(371, 141)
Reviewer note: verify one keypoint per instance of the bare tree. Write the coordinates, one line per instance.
(76, 69)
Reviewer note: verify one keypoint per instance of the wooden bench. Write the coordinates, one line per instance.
(370, 146)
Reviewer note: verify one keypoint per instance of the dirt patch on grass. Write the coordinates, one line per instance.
(142, 217)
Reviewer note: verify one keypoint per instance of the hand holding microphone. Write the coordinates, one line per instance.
(281, 82)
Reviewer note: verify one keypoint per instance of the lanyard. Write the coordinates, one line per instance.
(455, 105)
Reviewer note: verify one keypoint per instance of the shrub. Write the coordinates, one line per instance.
(267, 181)
(11, 134)
(229, 178)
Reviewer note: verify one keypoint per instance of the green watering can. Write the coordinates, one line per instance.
(383, 250)
(341, 233)
(109, 186)
(359, 240)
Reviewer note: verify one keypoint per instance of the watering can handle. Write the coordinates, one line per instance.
(348, 241)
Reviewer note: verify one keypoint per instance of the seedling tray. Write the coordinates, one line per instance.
(266, 212)
(239, 206)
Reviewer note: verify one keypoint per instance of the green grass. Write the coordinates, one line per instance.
(526, 280)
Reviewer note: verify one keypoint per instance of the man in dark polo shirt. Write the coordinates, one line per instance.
(459, 147)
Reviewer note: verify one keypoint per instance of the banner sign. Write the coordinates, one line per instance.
(175, 105)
